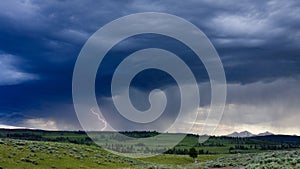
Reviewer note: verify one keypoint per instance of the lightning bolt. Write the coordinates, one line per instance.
(99, 118)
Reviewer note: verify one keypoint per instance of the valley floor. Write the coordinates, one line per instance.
(20, 154)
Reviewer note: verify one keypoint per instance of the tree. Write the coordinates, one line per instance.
(193, 153)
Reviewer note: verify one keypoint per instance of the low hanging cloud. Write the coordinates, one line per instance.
(256, 107)
(41, 124)
(11, 127)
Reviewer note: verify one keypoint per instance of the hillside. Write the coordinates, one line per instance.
(74, 149)
(20, 154)
(38, 154)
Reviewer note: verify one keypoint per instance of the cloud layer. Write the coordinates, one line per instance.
(258, 42)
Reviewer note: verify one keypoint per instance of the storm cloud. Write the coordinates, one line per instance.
(258, 43)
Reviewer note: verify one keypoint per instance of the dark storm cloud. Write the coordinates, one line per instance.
(52, 33)
(258, 41)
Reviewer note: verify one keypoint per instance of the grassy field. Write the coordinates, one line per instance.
(266, 160)
(21, 149)
(37, 154)
(20, 154)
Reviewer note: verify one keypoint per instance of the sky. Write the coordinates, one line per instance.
(258, 43)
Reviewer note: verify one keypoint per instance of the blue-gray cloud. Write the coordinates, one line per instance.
(257, 42)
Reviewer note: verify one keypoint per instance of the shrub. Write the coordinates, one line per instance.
(193, 153)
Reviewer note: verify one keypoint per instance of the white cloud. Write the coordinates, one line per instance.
(19, 9)
(9, 74)
(3, 126)
(70, 35)
(240, 25)
(39, 123)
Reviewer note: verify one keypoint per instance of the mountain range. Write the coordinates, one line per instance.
(245, 134)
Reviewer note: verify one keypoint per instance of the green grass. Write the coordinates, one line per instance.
(33, 154)
(20, 154)
(181, 159)
(204, 158)
(169, 159)
(267, 160)
(56, 150)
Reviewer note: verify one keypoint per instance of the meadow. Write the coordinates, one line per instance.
(40, 154)
(68, 150)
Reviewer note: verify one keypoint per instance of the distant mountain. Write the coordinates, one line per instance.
(265, 134)
(245, 134)
(242, 134)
